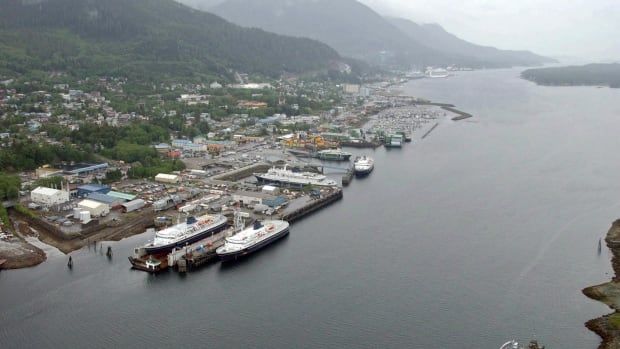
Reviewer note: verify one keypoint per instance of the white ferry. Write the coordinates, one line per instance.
(188, 232)
(252, 239)
(363, 166)
(286, 177)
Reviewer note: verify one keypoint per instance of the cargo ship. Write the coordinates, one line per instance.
(363, 166)
(333, 155)
(252, 239)
(188, 232)
(286, 177)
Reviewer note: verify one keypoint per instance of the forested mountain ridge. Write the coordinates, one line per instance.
(601, 74)
(350, 27)
(356, 30)
(143, 38)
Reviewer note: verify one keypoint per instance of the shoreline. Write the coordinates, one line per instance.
(608, 326)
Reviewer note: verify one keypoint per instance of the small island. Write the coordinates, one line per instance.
(584, 75)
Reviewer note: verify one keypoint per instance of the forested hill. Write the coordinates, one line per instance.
(143, 38)
(591, 75)
(350, 27)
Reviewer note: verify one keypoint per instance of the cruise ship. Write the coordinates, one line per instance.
(333, 155)
(188, 232)
(252, 239)
(286, 177)
(437, 73)
(363, 166)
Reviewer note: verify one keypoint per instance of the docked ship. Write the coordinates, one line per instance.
(437, 73)
(188, 232)
(394, 141)
(286, 177)
(333, 155)
(363, 166)
(252, 239)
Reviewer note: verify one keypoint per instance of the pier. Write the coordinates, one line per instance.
(313, 206)
(187, 257)
(431, 130)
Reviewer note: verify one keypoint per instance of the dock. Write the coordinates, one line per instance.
(347, 177)
(313, 206)
(185, 258)
(431, 130)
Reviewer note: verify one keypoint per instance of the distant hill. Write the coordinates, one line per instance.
(436, 37)
(584, 75)
(350, 27)
(355, 30)
(143, 38)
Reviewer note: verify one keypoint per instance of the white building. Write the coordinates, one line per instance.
(271, 190)
(49, 197)
(167, 178)
(96, 209)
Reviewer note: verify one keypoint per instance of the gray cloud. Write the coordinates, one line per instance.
(587, 29)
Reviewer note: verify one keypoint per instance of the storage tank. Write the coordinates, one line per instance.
(84, 217)
(76, 213)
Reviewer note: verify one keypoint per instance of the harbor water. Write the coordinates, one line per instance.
(484, 231)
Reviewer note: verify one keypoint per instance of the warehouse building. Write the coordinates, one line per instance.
(85, 190)
(83, 169)
(133, 205)
(124, 196)
(106, 199)
(96, 209)
(167, 178)
(49, 197)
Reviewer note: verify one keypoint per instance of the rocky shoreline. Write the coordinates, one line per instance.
(608, 326)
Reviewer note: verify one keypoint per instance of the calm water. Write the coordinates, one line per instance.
(485, 231)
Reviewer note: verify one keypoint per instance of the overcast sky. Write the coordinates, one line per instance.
(586, 29)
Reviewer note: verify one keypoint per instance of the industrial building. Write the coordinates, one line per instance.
(106, 199)
(49, 197)
(271, 190)
(249, 197)
(124, 196)
(167, 178)
(274, 202)
(85, 190)
(96, 209)
(85, 169)
(133, 205)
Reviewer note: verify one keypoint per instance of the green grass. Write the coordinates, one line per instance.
(614, 320)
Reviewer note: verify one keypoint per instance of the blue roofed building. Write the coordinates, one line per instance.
(274, 202)
(85, 190)
(106, 199)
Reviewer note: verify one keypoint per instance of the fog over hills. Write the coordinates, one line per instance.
(356, 30)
